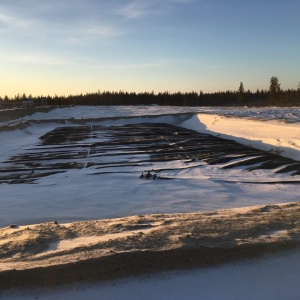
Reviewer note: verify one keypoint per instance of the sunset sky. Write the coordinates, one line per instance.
(76, 46)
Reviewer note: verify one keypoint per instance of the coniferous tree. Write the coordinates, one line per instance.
(274, 85)
(241, 88)
(274, 90)
(241, 93)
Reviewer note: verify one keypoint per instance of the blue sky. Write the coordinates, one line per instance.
(77, 46)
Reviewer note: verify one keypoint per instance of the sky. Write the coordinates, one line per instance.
(79, 46)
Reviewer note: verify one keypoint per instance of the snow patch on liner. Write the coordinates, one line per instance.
(273, 136)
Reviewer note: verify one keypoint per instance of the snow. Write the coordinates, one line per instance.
(287, 115)
(82, 195)
(273, 277)
(276, 136)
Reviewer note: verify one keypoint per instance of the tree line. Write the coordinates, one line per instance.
(274, 96)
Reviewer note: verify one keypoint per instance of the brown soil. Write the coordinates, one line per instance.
(51, 254)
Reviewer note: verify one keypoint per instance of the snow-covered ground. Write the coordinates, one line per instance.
(76, 195)
(290, 115)
(271, 135)
(269, 278)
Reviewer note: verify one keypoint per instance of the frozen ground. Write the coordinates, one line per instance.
(76, 195)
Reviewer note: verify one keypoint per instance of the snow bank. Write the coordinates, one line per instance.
(275, 136)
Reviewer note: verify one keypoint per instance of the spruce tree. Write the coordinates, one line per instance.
(241, 94)
(274, 90)
(241, 88)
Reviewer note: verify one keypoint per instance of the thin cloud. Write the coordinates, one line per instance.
(42, 26)
(141, 8)
(97, 30)
(83, 32)
(13, 22)
(142, 65)
(5, 19)
(138, 9)
(37, 58)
